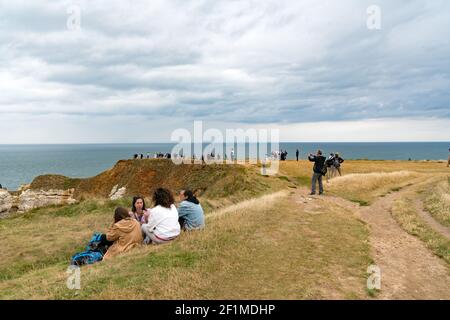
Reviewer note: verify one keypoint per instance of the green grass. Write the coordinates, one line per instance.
(246, 253)
(304, 181)
(373, 293)
(360, 202)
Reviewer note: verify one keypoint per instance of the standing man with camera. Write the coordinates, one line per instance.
(319, 170)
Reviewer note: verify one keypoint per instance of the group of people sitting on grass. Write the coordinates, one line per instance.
(160, 224)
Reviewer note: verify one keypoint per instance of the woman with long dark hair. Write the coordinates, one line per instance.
(124, 234)
(138, 210)
(162, 225)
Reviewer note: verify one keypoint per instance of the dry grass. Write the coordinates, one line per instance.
(260, 249)
(303, 168)
(437, 201)
(366, 187)
(265, 248)
(45, 236)
(373, 176)
(405, 214)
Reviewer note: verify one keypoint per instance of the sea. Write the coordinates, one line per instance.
(20, 164)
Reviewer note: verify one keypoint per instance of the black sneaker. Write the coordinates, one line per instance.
(312, 194)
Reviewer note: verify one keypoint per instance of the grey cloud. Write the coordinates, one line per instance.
(230, 61)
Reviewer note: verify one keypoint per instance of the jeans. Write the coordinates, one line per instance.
(315, 177)
(150, 236)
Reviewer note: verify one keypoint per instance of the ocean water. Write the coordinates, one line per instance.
(19, 164)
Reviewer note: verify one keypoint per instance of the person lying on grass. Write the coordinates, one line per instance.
(162, 220)
(138, 210)
(124, 234)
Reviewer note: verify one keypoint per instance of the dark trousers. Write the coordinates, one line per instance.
(316, 177)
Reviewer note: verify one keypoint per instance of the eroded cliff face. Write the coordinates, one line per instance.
(6, 202)
(29, 199)
(128, 178)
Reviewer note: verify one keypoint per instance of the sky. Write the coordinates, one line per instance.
(135, 71)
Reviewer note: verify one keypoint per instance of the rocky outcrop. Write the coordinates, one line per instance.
(30, 199)
(117, 193)
(23, 187)
(6, 201)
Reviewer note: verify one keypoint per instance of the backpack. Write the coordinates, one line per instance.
(94, 252)
(329, 162)
(324, 170)
(95, 244)
(86, 257)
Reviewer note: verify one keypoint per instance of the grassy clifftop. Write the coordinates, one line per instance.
(144, 176)
(266, 238)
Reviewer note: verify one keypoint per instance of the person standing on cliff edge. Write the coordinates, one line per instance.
(448, 161)
(319, 170)
(297, 153)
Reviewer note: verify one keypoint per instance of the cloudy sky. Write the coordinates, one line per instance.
(134, 71)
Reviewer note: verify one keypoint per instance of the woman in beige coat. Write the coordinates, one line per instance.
(125, 233)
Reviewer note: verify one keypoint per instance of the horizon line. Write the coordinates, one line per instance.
(207, 142)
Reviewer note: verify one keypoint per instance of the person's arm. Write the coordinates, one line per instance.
(146, 216)
(183, 209)
(312, 158)
(153, 220)
(113, 233)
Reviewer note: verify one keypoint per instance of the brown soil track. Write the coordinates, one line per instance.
(408, 269)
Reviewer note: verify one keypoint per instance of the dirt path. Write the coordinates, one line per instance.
(408, 269)
(436, 226)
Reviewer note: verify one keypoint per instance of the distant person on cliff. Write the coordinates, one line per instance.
(297, 153)
(162, 220)
(138, 210)
(448, 161)
(124, 235)
(319, 170)
(190, 211)
(331, 170)
(337, 163)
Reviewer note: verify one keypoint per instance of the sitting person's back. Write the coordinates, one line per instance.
(190, 211)
(164, 221)
(162, 225)
(125, 233)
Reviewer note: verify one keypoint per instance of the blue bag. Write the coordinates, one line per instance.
(94, 252)
(86, 257)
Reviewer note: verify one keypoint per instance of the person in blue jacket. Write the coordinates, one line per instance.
(190, 211)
